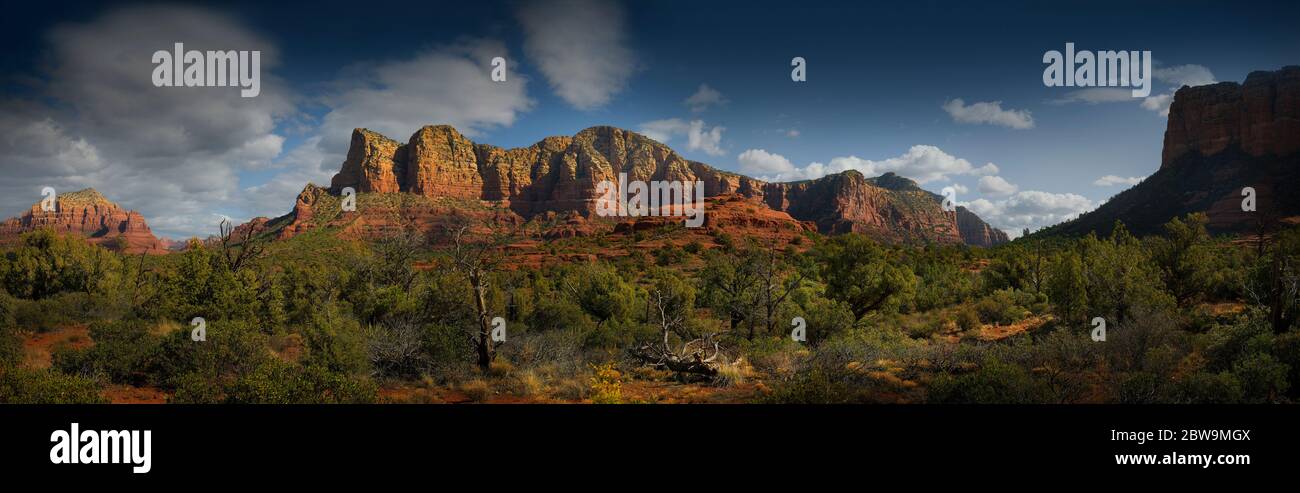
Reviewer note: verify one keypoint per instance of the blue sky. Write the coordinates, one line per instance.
(881, 95)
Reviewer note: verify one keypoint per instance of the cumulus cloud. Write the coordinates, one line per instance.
(443, 85)
(699, 136)
(923, 163)
(705, 97)
(988, 113)
(996, 186)
(38, 149)
(579, 46)
(959, 188)
(1112, 180)
(759, 162)
(1029, 209)
(308, 162)
(1185, 75)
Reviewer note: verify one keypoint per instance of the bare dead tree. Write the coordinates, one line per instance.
(477, 251)
(239, 246)
(694, 356)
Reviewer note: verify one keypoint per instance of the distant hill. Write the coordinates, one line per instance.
(89, 214)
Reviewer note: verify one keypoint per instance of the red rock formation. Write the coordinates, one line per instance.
(1261, 116)
(88, 214)
(974, 231)
(440, 162)
(1220, 139)
(373, 164)
(558, 175)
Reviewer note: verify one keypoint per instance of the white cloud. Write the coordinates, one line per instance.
(923, 163)
(759, 162)
(1159, 103)
(996, 186)
(705, 97)
(579, 46)
(988, 112)
(305, 163)
(705, 139)
(1029, 209)
(699, 136)
(38, 148)
(959, 188)
(1185, 75)
(443, 85)
(987, 169)
(1112, 180)
(664, 130)
(792, 133)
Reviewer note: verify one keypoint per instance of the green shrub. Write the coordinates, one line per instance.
(41, 315)
(28, 386)
(11, 347)
(277, 382)
(8, 305)
(1263, 377)
(995, 382)
(124, 352)
(194, 388)
(1004, 306)
(1208, 388)
(968, 318)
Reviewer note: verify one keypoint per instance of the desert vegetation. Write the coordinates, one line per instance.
(408, 319)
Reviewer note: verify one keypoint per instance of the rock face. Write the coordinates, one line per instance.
(1220, 139)
(974, 231)
(559, 176)
(88, 214)
(1260, 116)
(373, 164)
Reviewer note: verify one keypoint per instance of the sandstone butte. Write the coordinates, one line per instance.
(88, 214)
(1220, 139)
(557, 177)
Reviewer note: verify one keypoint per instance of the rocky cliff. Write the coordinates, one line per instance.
(559, 175)
(1219, 140)
(89, 214)
(1261, 117)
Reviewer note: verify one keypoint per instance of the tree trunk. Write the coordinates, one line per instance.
(484, 325)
